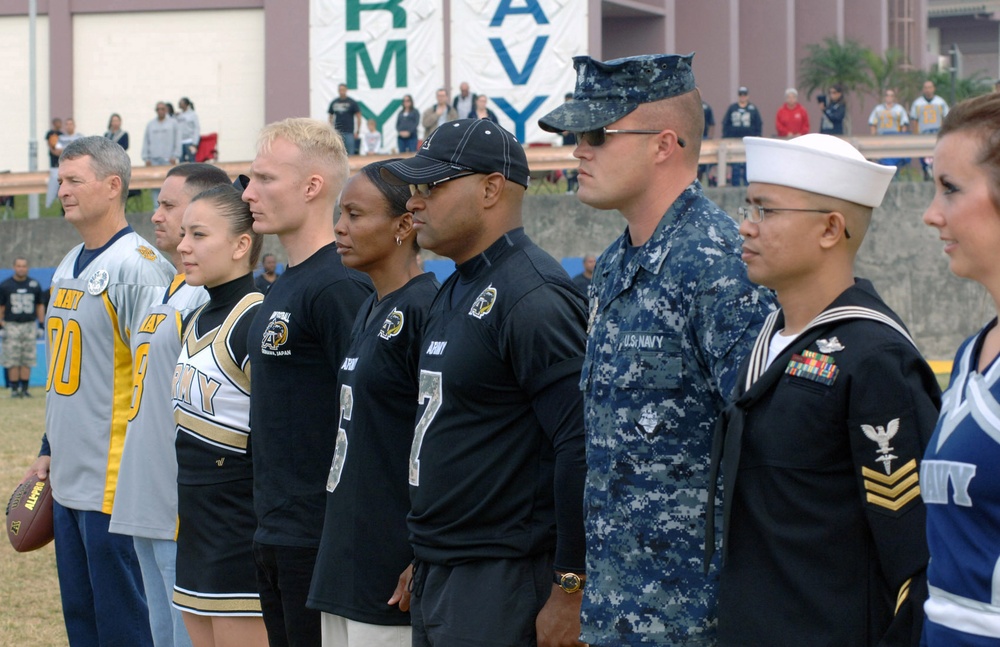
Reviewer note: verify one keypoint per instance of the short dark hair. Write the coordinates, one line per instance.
(199, 176)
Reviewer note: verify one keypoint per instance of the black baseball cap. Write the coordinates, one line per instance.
(477, 145)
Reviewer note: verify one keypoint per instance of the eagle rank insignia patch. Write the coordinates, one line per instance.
(893, 489)
(831, 345)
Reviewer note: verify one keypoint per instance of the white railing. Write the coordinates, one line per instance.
(721, 152)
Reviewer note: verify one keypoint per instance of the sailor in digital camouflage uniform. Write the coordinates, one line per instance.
(672, 315)
(823, 521)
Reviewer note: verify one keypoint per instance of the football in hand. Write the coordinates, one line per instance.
(29, 515)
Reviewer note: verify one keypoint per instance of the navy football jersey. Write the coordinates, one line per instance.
(364, 546)
(504, 328)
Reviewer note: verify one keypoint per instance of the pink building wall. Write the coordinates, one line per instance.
(756, 43)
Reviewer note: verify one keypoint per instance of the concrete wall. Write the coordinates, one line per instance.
(900, 255)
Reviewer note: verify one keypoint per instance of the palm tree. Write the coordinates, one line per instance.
(834, 62)
(889, 71)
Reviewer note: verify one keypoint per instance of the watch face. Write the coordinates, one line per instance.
(570, 582)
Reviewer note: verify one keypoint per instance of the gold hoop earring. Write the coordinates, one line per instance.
(398, 241)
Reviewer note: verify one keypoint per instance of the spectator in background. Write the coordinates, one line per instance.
(583, 279)
(705, 170)
(190, 129)
(161, 145)
(481, 111)
(22, 312)
(889, 118)
(52, 140)
(792, 119)
(834, 111)
(742, 120)
(371, 143)
(438, 114)
(170, 109)
(926, 115)
(270, 274)
(407, 120)
(69, 135)
(465, 101)
(345, 117)
(115, 132)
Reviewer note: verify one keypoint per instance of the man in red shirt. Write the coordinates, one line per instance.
(792, 119)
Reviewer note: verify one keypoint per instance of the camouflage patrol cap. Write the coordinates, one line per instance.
(606, 92)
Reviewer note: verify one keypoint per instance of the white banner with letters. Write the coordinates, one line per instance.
(520, 54)
(381, 51)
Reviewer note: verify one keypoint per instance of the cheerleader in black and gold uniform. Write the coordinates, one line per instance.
(216, 586)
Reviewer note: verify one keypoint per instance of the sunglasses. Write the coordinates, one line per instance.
(424, 190)
(600, 135)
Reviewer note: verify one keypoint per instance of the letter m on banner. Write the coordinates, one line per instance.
(394, 50)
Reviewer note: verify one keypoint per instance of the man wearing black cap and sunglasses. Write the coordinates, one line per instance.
(672, 313)
(497, 462)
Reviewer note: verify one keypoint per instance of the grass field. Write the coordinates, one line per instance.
(29, 593)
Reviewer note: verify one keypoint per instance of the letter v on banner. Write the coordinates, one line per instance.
(519, 77)
(499, 46)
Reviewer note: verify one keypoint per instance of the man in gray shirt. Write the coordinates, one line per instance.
(162, 143)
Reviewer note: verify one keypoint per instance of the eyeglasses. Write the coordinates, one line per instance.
(424, 190)
(597, 137)
(755, 213)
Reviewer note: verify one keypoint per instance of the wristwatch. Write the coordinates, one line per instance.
(569, 582)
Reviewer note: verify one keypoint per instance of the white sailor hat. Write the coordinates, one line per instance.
(821, 164)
